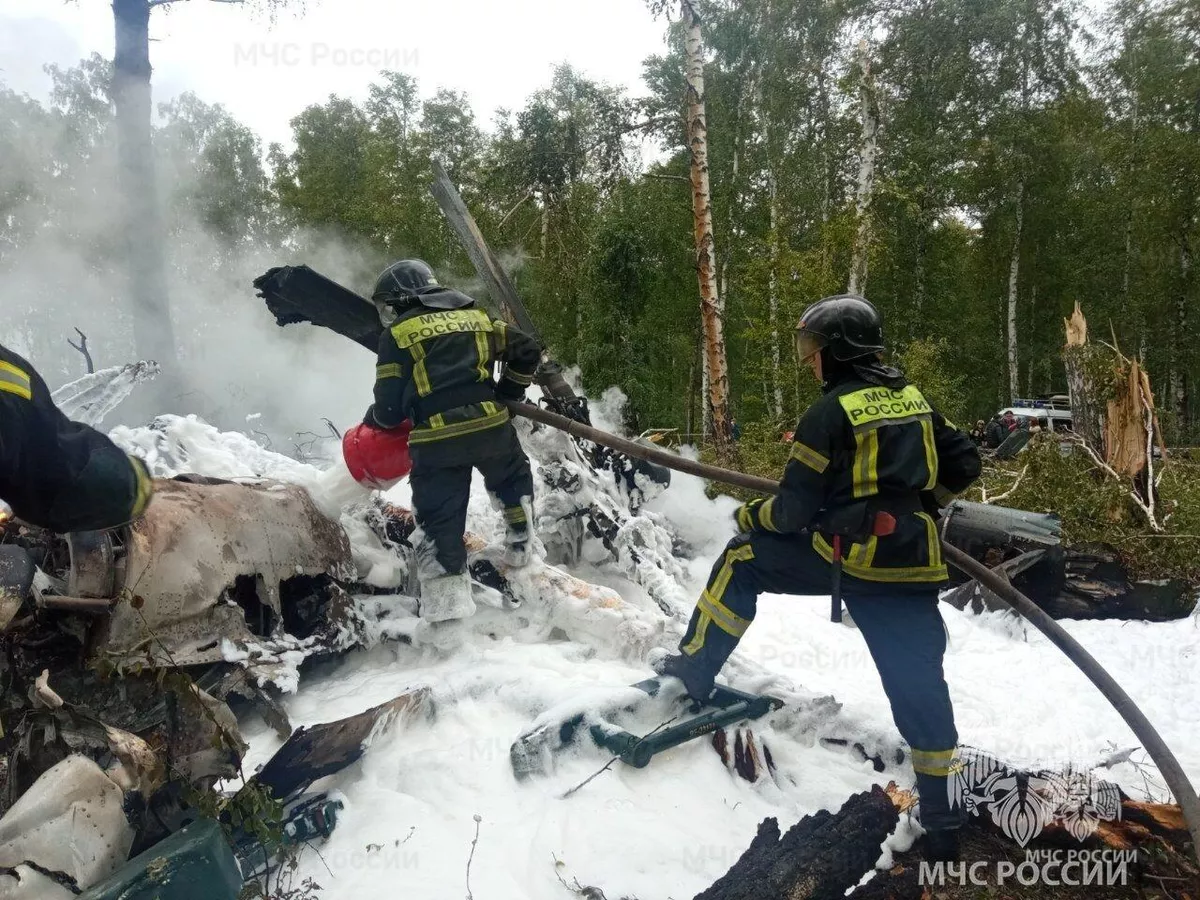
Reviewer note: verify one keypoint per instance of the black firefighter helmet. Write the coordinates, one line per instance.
(408, 282)
(847, 325)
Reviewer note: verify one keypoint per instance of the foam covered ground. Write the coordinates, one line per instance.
(671, 829)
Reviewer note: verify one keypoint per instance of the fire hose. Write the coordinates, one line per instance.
(1172, 772)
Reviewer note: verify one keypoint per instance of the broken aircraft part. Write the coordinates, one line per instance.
(71, 822)
(320, 750)
(191, 549)
(195, 863)
(532, 752)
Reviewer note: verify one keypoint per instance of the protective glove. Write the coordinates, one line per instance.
(510, 392)
(748, 516)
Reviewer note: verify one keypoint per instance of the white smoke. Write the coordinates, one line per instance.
(61, 268)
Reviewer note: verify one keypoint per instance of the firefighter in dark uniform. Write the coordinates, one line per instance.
(59, 474)
(871, 460)
(436, 360)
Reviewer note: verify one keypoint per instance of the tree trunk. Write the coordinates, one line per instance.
(711, 308)
(826, 167)
(135, 156)
(1084, 370)
(859, 259)
(1032, 364)
(1179, 340)
(1014, 267)
(773, 298)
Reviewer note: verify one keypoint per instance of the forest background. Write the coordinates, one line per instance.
(975, 166)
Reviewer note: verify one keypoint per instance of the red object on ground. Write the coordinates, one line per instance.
(377, 458)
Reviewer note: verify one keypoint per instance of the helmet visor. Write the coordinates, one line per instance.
(808, 344)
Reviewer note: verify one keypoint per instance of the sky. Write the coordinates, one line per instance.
(265, 73)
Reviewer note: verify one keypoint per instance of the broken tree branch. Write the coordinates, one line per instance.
(984, 498)
(1110, 471)
(82, 347)
(509, 214)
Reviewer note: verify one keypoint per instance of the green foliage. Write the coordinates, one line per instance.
(925, 365)
(1096, 508)
(992, 112)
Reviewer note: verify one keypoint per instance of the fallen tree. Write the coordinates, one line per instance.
(826, 856)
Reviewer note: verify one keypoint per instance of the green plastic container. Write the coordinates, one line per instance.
(196, 863)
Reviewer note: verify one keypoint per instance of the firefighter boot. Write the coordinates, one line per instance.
(518, 549)
(697, 665)
(939, 818)
(446, 597)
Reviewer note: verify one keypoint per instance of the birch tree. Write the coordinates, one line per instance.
(865, 189)
(712, 312)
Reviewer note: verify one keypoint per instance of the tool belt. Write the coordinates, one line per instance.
(423, 408)
(855, 522)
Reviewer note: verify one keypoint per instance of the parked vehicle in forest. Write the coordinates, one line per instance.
(1056, 409)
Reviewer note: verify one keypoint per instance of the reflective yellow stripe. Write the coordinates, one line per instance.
(931, 457)
(863, 554)
(500, 330)
(145, 489)
(437, 421)
(935, 546)
(481, 348)
(456, 429)
(880, 405)
(766, 515)
(389, 370)
(866, 463)
(868, 571)
(518, 377)
(515, 514)
(411, 332)
(15, 381)
(711, 600)
(696, 644)
(725, 618)
(744, 521)
(810, 457)
(933, 762)
(420, 374)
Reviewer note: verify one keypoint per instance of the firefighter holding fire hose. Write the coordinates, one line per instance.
(871, 460)
(436, 400)
(59, 474)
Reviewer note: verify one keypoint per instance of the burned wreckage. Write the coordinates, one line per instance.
(128, 655)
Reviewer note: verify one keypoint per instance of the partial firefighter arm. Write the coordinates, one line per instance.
(392, 376)
(959, 463)
(520, 355)
(802, 488)
(59, 474)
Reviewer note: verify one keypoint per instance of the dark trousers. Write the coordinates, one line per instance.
(903, 630)
(441, 486)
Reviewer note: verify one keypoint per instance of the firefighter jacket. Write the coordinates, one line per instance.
(436, 368)
(56, 473)
(887, 446)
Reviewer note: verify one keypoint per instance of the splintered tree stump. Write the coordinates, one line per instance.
(819, 858)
